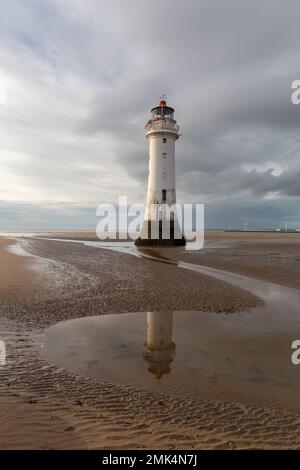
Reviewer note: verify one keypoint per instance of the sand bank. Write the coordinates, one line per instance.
(82, 281)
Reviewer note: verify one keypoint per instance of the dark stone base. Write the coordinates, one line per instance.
(159, 241)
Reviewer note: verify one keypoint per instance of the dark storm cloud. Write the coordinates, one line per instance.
(81, 76)
(287, 183)
(229, 69)
(256, 213)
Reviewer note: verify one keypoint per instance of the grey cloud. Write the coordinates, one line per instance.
(16, 215)
(262, 183)
(82, 76)
(232, 212)
(220, 213)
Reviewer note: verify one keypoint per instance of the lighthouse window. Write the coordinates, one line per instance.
(163, 111)
(164, 195)
(164, 140)
(164, 155)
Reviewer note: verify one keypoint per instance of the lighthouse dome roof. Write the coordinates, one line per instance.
(162, 109)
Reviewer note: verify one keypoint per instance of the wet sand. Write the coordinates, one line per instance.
(81, 281)
(27, 426)
(15, 271)
(273, 257)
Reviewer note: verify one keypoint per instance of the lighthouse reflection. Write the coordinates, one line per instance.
(159, 348)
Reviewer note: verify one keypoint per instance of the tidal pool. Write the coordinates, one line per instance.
(239, 356)
(244, 356)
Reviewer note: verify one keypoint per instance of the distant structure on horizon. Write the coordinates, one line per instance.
(162, 131)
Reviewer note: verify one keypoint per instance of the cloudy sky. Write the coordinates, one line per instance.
(77, 81)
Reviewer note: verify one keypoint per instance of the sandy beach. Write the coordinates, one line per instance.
(15, 272)
(44, 404)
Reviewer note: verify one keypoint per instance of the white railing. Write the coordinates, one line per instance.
(160, 124)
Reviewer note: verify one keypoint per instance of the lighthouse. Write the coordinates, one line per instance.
(159, 348)
(160, 226)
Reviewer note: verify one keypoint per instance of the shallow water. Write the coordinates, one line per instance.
(244, 356)
(239, 356)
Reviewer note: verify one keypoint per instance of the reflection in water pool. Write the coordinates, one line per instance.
(241, 357)
(159, 348)
(244, 356)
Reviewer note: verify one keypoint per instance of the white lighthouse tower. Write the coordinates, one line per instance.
(160, 225)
